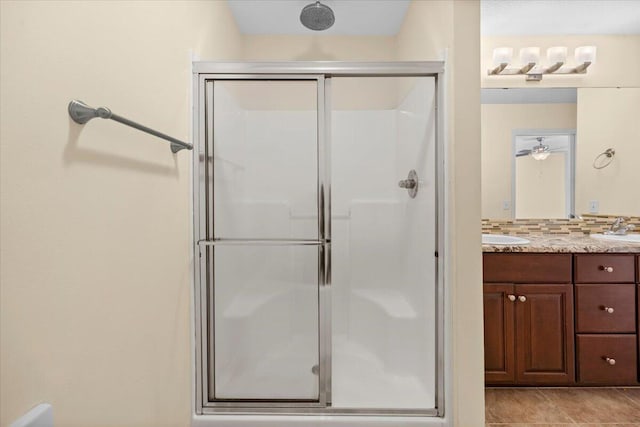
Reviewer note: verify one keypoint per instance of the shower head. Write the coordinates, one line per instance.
(317, 16)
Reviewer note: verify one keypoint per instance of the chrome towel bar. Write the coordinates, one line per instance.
(81, 113)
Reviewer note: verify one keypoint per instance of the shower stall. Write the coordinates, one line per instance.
(318, 238)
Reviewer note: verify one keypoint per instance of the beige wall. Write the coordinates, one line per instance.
(498, 122)
(430, 27)
(95, 225)
(608, 118)
(617, 61)
(88, 320)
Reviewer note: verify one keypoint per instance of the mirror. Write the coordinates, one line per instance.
(543, 174)
(544, 152)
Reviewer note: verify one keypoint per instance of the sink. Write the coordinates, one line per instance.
(626, 238)
(499, 239)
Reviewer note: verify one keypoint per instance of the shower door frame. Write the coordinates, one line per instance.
(320, 72)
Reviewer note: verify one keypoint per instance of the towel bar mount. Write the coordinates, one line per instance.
(81, 113)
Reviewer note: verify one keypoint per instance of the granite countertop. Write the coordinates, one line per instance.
(563, 243)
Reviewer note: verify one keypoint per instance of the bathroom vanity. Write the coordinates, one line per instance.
(562, 311)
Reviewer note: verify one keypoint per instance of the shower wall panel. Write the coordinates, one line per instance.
(416, 150)
(383, 282)
(264, 296)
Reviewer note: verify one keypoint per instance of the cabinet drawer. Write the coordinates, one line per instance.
(606, 308)
(527, 268)
(607, 359)
(604, 268)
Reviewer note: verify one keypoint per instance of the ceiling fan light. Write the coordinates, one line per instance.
(540, 155)
(540, 151)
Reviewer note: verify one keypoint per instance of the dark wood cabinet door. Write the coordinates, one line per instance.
(544, 334)
(499, 363)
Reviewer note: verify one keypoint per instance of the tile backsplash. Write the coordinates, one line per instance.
(586, 225)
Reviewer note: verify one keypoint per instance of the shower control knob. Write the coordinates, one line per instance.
(407, 183)
(411, 183)
(511, 297)
(611, 361)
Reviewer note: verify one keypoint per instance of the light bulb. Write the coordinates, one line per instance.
(557, 54)
(530, 55)
(502, 55)
(585, 54)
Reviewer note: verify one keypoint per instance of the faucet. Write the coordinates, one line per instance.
(620, 227)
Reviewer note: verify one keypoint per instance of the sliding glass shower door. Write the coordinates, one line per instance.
(266, 240)
(316, 208)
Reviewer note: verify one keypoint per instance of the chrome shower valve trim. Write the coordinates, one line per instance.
(411, 183)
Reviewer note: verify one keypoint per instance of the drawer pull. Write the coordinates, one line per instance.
(608, 309)
(522, 298)
(511, 297)
(610, 360)
(606, 268)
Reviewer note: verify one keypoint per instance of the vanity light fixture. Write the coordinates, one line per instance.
(540, 151)
(530, 62)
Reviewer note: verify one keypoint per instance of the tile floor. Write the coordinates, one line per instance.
(562, 407)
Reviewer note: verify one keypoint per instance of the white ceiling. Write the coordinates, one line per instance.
(499, 17)
(539, 17)
(353, 17)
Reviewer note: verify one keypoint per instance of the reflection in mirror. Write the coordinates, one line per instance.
(528, 114)
(515, 185)
(543, 174)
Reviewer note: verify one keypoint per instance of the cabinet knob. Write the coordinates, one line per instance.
(522, 298)
(511, 297)
(608, 309)
(610, 360)
(606, 268)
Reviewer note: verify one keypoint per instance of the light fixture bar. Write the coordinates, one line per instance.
(498, 69)
(557, 56)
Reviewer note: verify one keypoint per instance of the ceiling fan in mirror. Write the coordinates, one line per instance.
(539, 151)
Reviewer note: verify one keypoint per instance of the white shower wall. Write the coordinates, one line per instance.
(265, 305)
(383, 244)
(383, 283)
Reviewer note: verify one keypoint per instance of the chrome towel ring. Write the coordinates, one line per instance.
(604, 159)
